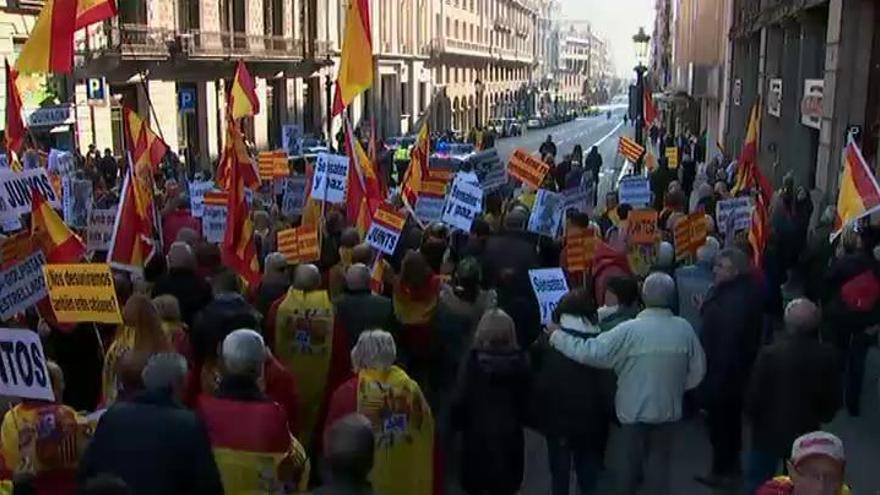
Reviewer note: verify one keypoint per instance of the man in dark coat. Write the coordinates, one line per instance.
(506, 261)
(732, 319)
(349, 457)
(794, 388)
(660, 179)
(182, 282)
(358, 309)
(153, 443)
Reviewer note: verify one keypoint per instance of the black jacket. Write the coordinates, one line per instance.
(359, 311)
(794, 388)
(731, 335)
(226, 313)
(506, 262)
(191, 291)
(155, 446)
(568, 398)
(489, 409)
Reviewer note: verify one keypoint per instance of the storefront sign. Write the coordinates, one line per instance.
(774, 98)
(811, 104)
(50, 116)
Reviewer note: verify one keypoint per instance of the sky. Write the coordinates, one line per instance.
(616, 21)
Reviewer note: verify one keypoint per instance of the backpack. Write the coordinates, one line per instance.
(861, 293)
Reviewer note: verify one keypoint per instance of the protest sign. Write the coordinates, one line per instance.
(100, 229)
(16, 191)
(634, 191)
(672, 156)
(577, 198)
(549, 285)
(272, 164)
(385, 229)
(300, 244)
(82, 292)
(642, 227)
(494, 179)
(330, 179)
(214, 216)
(740, 209)
(292, 138)
(23, 371)
(430, 202)
(689, 234)
(641, 257)
(527, 169)
(294, 196)
(77, 201)
(463, 204)
(580, 246)
(546, 216)
(22, 285)
(197, 190)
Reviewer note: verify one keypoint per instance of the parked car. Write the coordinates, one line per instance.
(395, 142)
(313, 145)
(534, 123)
(505, 127)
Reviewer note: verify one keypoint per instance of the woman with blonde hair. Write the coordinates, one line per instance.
(175, 329)
(488, 408)
(142, 332)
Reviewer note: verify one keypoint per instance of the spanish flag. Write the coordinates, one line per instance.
(418, 168)
(243, 100)
(92, 11)
(748, 175)
(311, 214)
(238, 250)
(859, 194)
(52, 235)
(235, 154)
(49, 48)
(147, 149)
(364, 191)
(759, 230)
(356, 62)
(132, 244)
(15, 130)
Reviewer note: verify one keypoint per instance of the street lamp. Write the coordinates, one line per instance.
(640, 41)
(480, 87)
(328, 88)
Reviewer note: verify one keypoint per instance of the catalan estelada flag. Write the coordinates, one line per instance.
(418, 168)
(49, 48)
(243, 100)
(748, 175)
(52, 235)
(92, 11)
(356, 62)
(132, 244)
(859, 194)
(364, 189)
(238, 249)
(15, 129)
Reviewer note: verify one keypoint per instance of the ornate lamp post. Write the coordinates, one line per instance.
(640, 41)
(480, 87)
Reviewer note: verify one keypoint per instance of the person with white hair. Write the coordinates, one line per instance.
(151, 442)
(693, 283)
(242, 447)
(794, 389)
(732, 322)
(397, 410)
(181, 281)
(657, 357)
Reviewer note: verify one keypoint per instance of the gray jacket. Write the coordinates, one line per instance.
(656, 357)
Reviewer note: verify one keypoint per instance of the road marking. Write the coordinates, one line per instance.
(616, 128)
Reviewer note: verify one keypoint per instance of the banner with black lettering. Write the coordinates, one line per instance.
(549, 285)
(82, 292)
(22, 285)
(15, 192)
(23, 371)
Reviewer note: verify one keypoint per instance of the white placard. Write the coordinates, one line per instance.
(214, 223)
(15, 191)
(100, 230)
(634, 191)
(577, 198)
(546, 216)
(463, 204)
(429, 208)
(549, 285)
(811, 103)
(383, 238)
(495, 178)
(22, 285)
(197, 190)
(294, 199)
(77, 201)
(23, 370)
(292, 139)
(330, 179)
(741, 210)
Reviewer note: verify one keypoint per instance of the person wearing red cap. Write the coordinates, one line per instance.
(817, 467)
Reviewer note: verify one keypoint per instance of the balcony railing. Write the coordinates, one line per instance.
(236, 44)
(127, 40)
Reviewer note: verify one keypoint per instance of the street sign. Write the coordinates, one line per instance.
(186, 99)
(96, 91)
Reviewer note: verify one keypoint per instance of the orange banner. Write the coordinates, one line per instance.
(434, 188)
(690, 233)
(642, 227)
(527, 169)
(300, 244)
(389, 218)
(580, 246)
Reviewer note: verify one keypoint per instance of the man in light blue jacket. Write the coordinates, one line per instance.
(657, 357)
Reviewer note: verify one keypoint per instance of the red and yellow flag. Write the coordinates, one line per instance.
(418, 168)
(243, 100)
(92, 11)
(859, 194)
(759, 230)
(650, 111)
(145, 146)
(356, 62)
(239, 251)
(133, 244)
(49, 48)
(748, 175)
(364, 190)
(235, 154)
(52, 235)
(15, 130)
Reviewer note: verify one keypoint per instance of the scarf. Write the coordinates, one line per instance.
(416, 305)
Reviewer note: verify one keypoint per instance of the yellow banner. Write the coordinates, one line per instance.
(82, 292)
(672, 156)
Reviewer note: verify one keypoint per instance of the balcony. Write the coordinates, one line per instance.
(207, 44)
(457, 47)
